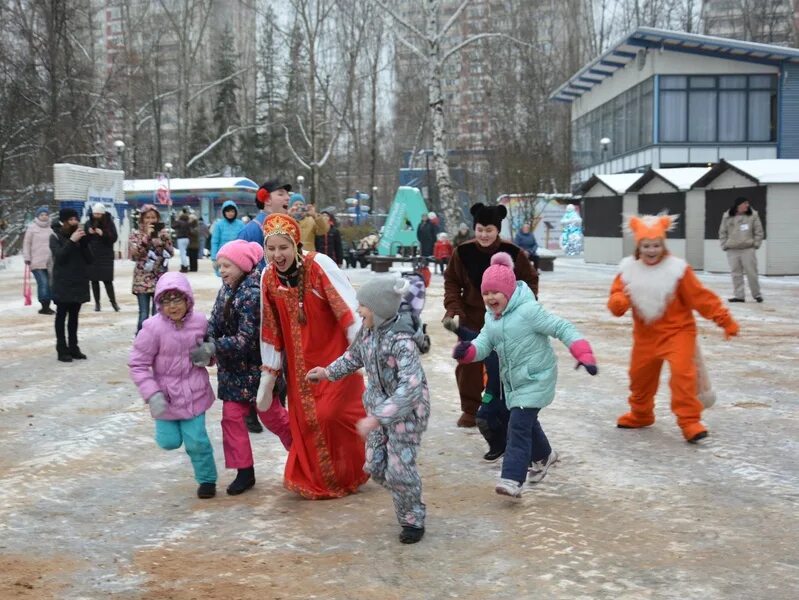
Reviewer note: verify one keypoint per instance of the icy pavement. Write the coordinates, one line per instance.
(91, 508)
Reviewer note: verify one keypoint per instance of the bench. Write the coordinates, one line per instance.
(546, 263)
(382, 264)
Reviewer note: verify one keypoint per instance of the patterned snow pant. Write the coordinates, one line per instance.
(391, 461)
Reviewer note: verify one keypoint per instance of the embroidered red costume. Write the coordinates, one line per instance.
(663, 297)
(327, 455)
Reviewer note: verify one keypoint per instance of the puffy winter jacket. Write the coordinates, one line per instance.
(396, 392)
(36, 245)
(224, 230)
(237, 339)
(70, 268)
(528, 365)
(159, 360)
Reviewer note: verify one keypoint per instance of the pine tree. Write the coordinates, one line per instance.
(226, 112)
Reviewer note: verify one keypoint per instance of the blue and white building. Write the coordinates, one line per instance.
(660, 98)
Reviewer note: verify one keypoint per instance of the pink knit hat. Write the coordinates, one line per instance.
(499, 277)
(245, 255)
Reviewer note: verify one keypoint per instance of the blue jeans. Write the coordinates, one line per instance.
(146, 308)
(169, 435)
(526, 443)
(42, 278)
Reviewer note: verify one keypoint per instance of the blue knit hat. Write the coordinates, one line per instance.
(295, 197)
(42, 209)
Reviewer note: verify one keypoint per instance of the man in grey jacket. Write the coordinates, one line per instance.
(740, 235)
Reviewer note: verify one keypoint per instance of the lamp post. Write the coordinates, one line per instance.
(120, 148)
(604, 142)
(373, 201)
(168, 170)
(300, 181)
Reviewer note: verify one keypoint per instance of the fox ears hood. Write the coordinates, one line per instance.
(649, 227)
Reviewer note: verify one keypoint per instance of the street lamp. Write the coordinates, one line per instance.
(120, 148)
(168, 169)
(300, 181)
(604, 142)
(374, 200)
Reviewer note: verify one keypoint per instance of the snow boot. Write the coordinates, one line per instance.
(206, 490)
(74, 352)
(63, 353)
(46, 310)
(253, 424)
(97, 306)
(496, 441)
(243, 482)
(411, 535)
(694, 432)
(114, 305)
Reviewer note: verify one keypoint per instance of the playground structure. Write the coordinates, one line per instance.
(404, 216)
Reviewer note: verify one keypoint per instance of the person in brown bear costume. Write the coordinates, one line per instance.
(463, 299)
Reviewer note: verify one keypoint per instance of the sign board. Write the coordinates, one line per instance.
(403, 218)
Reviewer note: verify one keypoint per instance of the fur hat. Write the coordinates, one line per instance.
(280, 224)
(99, 208)
(649, 227)
(42, 209)
(488, 215)
(245, 255)
(65, 214)
(499, 276)
(383, 296)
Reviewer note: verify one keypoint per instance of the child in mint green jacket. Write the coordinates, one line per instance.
(518, 329)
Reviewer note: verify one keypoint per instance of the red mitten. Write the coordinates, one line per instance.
(581, 350)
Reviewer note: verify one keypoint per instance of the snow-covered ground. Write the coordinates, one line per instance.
(91, 508)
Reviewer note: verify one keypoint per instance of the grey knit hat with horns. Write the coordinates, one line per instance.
(383, 296)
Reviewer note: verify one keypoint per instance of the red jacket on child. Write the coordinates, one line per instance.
(442, 250)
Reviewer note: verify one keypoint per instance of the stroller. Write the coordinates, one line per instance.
(410, 309)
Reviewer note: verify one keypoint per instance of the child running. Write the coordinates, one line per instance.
(397, 400)
(518, 329)
(234, 339)
(178, 392)
(663, 292)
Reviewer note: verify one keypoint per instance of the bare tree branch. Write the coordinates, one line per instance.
(217, 141)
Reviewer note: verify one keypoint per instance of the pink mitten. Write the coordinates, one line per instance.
(581, 350)
(464, 352)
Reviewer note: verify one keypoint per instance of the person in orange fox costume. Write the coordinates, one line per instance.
(663, 291)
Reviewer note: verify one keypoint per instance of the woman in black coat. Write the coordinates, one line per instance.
(101, 234)
(330, 243)
(71, 259)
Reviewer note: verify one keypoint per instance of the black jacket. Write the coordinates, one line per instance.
(70, 268)
(102, 248)
(426, 234)
(330, 244)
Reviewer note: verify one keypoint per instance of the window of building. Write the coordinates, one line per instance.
(724, 108)
(626, 121)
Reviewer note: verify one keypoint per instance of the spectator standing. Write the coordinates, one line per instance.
(330, 243)
(740, 235)
(464, 235)
(71, 258)
(426, 234)
(101, 234)
(182, 227)
(37, 255)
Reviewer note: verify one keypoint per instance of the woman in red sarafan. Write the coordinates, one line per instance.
(308, 314)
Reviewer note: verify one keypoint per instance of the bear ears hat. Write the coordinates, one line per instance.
(488, 215)
(649, 227)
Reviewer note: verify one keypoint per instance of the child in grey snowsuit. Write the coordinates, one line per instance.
(396, 399)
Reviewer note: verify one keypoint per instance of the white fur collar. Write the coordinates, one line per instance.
(651, 288)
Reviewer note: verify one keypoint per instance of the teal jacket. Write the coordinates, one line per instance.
(527, 364)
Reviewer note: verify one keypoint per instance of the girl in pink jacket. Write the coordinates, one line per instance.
(177, 392)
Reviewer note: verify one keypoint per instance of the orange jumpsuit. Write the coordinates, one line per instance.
(663, 298)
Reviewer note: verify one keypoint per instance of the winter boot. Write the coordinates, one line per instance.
(496, 441)
(694, 432)
(63, 353)
(243, 482)
(114, 305)
(112, 297)
(74, 352)
(253, 424)
(46, 310)
(411, 535)
(466, 420)
(97, 306)
(206, 490)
